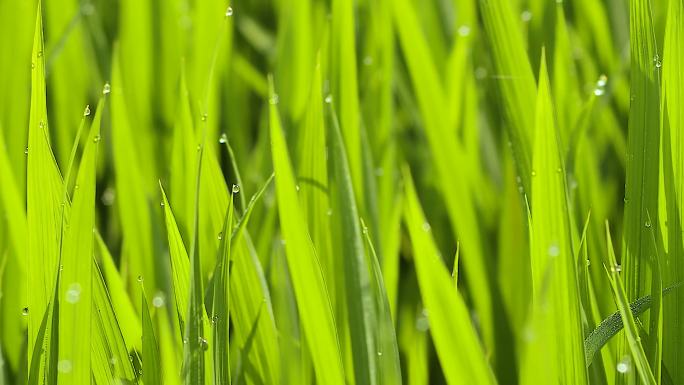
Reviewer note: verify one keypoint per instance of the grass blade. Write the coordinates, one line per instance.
(307, 278)
(457, 345)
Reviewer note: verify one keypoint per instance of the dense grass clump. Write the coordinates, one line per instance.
(341, 192)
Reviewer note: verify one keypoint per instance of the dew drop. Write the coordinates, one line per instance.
(40, 53)
(161, 203)
(534, 173)
(220, 235)
(553, 250)
(204, 117)
(33, 65)
(204, 345)
(526, 16)
(158, 300)
(26, 151)
(368, 61)
(64, 366)
(329, 212)
(328, 99)
(106, 89)
(617, 268)
(647, 223)
(229, 11)
(297, 187)
(25, 311)
(87, 110)
(379, 354)
(426, 227)
(96, 138)
(236, 189)
(140, 278)
(73, 294)
(223, 138)
(623, 365)
(274, 99)
(464, 30)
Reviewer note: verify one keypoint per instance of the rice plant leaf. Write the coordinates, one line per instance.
(121, 305)
(131, 186)
(152, 374)
(220, 308)
(76, 268)
(44, 198)
(110, 352)
(458, 348)
(388, 368)
(307, 278)
(631, 331)
(180, 263)
(641, 188)
(448, 157)
(514, 79)
(612, 324)
(362, 317)
(345, 87)
(673, 155)
(552, 255)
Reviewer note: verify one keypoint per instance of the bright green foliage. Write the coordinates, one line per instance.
(277, 237)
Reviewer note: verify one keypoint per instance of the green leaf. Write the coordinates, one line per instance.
(152, 374)
(307, 278)
(362, 317)
(631, 331)
(554, 270)
(44, 198)
(457, 345)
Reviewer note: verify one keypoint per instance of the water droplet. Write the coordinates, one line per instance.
(283, 242)
(379, 354)
(108, 196)
(87, 110)
(598, 91)
(204, 117)
(199, 147)
(140, 278)
(73, 294)
(297, 187)
(26, 151)
(161, 203)
(623, 365)
(158, 300)
(526, 16)
(220, 235)
(96, 138)
(25, 311)
(41, 124)
(426, 227)
(223, 138)
(229, 11)
(76, 187)
(602, 81)
(273, 99)
(464, 30)
(113, 361)
(588, 262)
(559, 170)
(328, 99)
(106, 89)
(214, 319)
(204, 345)
(617, 268)
(658, 64)
(33, 65)
(40, 53)
(329, 212)
(481, 73)
(647, 223)
(368, 61)
(553, 250)
(365, 229)
(236, 189)
(534, 173)
(64, 366)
